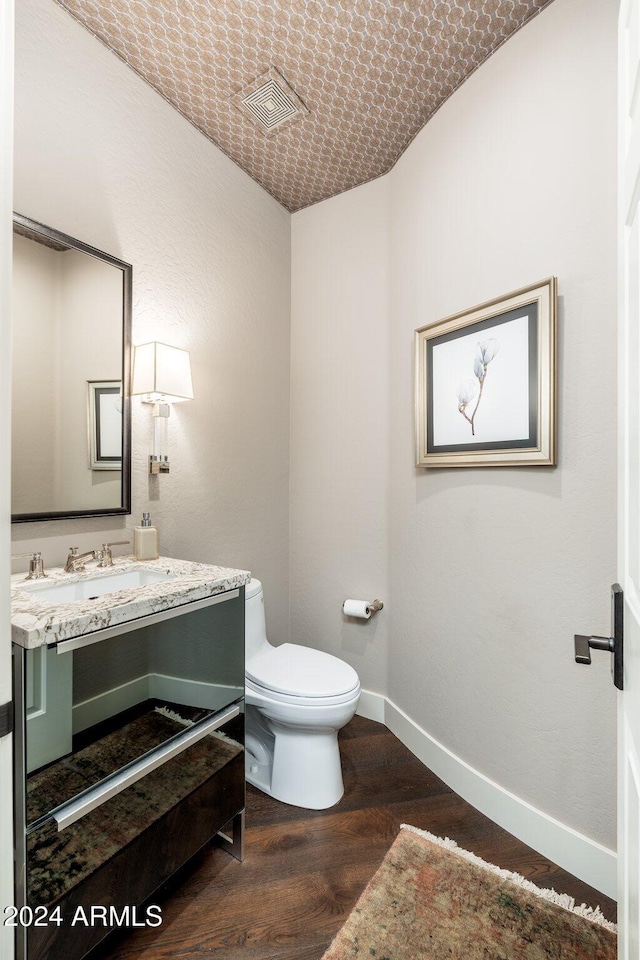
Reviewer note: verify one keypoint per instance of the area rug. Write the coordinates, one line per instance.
(430, 899)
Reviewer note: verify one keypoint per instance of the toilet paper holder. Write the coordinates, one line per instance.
(361, 608)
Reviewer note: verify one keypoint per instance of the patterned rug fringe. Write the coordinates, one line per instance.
(561, 899)
(172, 715)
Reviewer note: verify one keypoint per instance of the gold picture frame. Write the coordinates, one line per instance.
(485, 383)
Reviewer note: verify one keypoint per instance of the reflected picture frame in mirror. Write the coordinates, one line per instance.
(92, 491)
(105, 424)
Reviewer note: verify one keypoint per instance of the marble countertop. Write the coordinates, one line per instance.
(36, 621)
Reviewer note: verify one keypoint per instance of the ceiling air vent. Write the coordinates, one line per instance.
(270, 102)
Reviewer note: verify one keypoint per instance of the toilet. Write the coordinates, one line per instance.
(296, 700)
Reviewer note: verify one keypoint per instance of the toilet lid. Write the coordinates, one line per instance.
(301, 671)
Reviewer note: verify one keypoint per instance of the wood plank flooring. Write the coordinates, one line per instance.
(304, 870)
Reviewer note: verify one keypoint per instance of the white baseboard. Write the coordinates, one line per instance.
(107, 704)
(194, 693)
(585, 859)
(371, 706)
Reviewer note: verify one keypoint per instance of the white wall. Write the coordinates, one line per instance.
(490, 571)
(102, 157)
(340, 426)
(524, 160)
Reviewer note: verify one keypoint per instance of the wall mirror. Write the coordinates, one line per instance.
(71, 370)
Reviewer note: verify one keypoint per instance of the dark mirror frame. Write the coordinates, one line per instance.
(28, 226)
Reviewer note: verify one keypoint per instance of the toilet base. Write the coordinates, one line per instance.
(258, 751)
(301, 768)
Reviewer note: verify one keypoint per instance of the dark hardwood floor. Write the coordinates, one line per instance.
(304, 870)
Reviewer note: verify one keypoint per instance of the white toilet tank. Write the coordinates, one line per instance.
(254, 625)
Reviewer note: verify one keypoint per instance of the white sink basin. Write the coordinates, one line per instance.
(92, 587)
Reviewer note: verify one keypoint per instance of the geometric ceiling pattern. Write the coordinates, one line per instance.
(370, 73)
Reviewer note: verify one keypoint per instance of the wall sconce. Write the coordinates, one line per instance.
(161, 376)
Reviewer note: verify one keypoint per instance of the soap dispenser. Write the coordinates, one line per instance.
(145, 540)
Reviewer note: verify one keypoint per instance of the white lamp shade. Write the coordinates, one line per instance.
(162, 374)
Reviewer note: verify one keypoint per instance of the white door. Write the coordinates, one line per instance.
(629, 473)
(6, 233)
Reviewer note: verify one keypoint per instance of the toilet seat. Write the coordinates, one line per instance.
(287, 698)
(295, 674)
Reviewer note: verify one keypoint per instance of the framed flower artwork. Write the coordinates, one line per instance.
(485, 383)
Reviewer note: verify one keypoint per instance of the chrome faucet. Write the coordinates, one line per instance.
(76, 561)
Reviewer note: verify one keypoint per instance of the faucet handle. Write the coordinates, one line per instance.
(70, 566)
(36, 566)
(105, 557)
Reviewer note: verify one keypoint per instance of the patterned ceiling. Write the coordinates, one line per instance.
(370, 73)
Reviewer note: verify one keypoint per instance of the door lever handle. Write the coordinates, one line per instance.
(584, 646)
(614, 645)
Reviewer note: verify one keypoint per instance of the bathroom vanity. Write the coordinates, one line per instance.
(129, 741)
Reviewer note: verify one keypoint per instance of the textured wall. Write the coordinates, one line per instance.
(509, 564)
(339, 426)
(102, 157)
(491, 571)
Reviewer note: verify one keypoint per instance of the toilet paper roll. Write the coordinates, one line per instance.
(357, 608)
